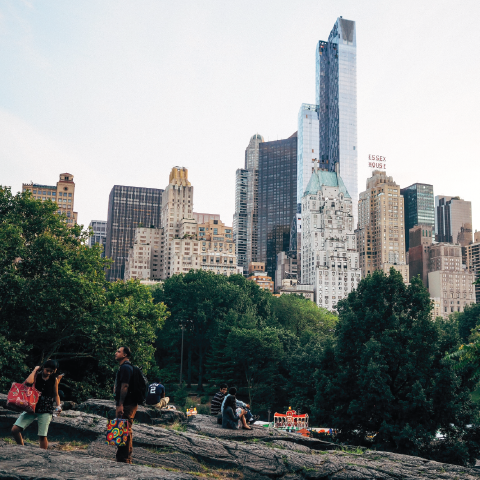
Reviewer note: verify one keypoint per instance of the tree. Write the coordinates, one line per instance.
(257, 354)
(302, 316)
(56, 303)
(385, 376)
(198, 300)
(468, 320)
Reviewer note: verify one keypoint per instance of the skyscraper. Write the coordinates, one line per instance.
(99, 228)
(251, 165)
(240, 230)
(381, 229)
(277, 199)
(336, 107)
(128, 208)
(245, 219)
(329, 258)
(453, 220)
(419, 206)
(308, 147)
(181, 244)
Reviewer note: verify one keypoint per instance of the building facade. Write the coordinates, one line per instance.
(252, 153)
(63, 194)
(381, 227)
(99, 229)
(286, 268)
(330, 260)
(336, 94)
(473, 263)
(448, 280)
(453, 220)
(291, 287)
(245, 219)
(327, 130)
(181, 244)
(421, 238)
(419, 204)
(129, 208)
(205, 217)
(240, 229)
(308, 152)
(277, 198)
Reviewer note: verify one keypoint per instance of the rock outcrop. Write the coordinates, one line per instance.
(199, 446)
(106, 408)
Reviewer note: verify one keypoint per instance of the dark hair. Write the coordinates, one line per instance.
(231, 401)
(127, 352)
(223, 385)
(232, 391)
(157, 380)
(53, 364)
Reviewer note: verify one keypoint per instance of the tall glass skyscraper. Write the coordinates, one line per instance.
(277, 199)
(336, 104)
(419, 204)
(128, 208)
(245, 219)
(240, 231)
(308, 147)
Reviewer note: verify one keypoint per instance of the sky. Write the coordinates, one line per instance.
(119, 92)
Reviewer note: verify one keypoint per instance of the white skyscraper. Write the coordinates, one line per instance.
(329, 257)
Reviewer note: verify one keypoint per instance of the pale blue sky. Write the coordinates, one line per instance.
(118, 92)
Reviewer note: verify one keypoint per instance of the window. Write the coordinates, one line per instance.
(215, 231)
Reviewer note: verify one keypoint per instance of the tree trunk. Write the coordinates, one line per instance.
(189, 376)
(200, 370)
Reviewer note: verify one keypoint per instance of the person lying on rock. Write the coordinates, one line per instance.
(46, 381)
(156, 395)
(245, 406)
(216, 403)
(232, 415)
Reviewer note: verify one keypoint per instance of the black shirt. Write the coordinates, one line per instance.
(124, 375)
(46, 387)
(46, 402)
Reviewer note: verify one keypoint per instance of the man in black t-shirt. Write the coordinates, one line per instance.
(156, 395)
(126, 405)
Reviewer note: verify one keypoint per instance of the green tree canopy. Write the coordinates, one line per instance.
(56, 303)
(385, 376)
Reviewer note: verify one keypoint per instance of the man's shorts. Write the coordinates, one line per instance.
(44, 419)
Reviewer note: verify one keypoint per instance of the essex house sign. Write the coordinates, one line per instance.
(377, 161)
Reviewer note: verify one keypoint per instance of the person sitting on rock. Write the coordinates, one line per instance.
(245, 406)
(156, 395)
(45, 382)
(232, 415)
(216, 403)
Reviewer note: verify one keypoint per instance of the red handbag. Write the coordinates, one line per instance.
(23, 398)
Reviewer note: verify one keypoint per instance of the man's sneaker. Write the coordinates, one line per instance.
(255, 418)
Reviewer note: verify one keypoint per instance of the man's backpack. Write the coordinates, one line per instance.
(139, 386)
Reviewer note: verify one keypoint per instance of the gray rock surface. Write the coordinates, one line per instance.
(32, 463)
(205, 446)
(106, 408)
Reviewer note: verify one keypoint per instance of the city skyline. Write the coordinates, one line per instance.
(78, 97)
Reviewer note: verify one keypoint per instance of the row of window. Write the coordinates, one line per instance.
(49, 193)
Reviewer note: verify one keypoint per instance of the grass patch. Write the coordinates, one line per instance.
(72, 446)
(9, 440)
(177, 426)
(355, 451)
(160, 450)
